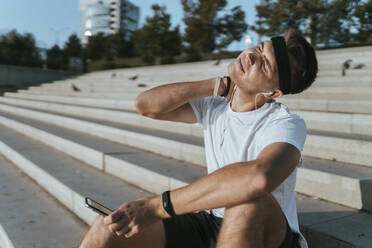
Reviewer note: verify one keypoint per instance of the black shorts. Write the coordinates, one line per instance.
(201, 230)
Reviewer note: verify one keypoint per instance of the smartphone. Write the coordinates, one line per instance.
(95, 206)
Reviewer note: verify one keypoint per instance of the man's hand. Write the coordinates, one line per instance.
(133, 217)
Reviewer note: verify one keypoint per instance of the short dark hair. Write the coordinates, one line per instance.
(302, 58)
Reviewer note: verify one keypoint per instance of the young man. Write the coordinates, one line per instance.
(253, 145)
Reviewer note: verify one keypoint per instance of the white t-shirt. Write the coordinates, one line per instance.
(231, 137)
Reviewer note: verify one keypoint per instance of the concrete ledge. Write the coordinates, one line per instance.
(339, 149)
(328, 105)
(304, 102)
(174, 149)
(5, 241)
(321, 225)
(90, 102)
(335, 188)
(60, 191)
(324, 185)
(75, 150)
(85, 94)
(134, 174)
(346, 123)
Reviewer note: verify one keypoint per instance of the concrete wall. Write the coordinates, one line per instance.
(15, 77)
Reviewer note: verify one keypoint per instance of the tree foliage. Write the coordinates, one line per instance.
(363, 16)
(156, 38)
(18, 49)
(119, 46)
(73, 46)
(56, 58)
(324, 22)
(97, 46)
(208, 30)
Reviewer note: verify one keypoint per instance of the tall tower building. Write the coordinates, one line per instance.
(108, 17)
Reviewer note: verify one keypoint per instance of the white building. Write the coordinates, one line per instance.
(108, 17)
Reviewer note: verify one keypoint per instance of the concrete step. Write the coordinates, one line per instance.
(30, 217)
(349, 123)
(111, 95)
(177, 146)
(328, 91)
(65, 178)
(327, 145)
(312, 102)
(319, 220)
(127, 105)
(91, 149)
(328, 105)
(360, 50)
(337, 72)
(351, 80)
(336, 92)
(344, 81)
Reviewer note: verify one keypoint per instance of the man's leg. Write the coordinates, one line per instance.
(99, 236)
(259, 223)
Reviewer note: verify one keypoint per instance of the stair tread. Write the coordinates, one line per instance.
(27, 213)
(154, 132)
(314, 215)
(166, 166)
(80, 177)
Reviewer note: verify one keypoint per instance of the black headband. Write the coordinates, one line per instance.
(282, 61)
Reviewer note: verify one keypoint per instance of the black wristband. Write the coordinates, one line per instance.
(167, 204)
(228, 86)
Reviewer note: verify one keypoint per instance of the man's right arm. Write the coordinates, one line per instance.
(171, 101)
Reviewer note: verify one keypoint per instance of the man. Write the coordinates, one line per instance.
(253, 145)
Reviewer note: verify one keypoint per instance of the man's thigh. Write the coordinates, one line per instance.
(99, 236)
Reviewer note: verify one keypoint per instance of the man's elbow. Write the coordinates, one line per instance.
(262, 184)
(259, 183)
(142, 106)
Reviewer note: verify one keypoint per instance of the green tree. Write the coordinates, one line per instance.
(276, 16)
(363, 14)
(73, 46)
(339, 21)
(325, 22)
(206, 30)
(157, 39)
(97, 47)
(18, 49)
(56, 58)
(119, 46)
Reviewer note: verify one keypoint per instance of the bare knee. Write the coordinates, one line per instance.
(97, 236)
(257, 210)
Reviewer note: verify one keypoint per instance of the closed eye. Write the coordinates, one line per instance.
(263, 56)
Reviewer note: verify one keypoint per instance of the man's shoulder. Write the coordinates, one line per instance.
(280, 113)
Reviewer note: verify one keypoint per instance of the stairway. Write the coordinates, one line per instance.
(71, 144)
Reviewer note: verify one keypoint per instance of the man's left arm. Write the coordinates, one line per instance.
(229, 186)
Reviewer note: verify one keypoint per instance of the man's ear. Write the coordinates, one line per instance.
(275, 94)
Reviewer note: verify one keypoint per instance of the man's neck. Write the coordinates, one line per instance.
(241, 102)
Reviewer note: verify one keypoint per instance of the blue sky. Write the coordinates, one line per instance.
(52, 21)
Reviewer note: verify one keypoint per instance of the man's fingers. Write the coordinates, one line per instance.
(124, 230)
(133, 231)
(123, 222)
(113, 217)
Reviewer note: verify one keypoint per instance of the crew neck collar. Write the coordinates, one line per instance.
(249, 113)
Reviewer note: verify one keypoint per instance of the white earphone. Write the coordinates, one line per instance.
(267, 94)
(262, 93)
